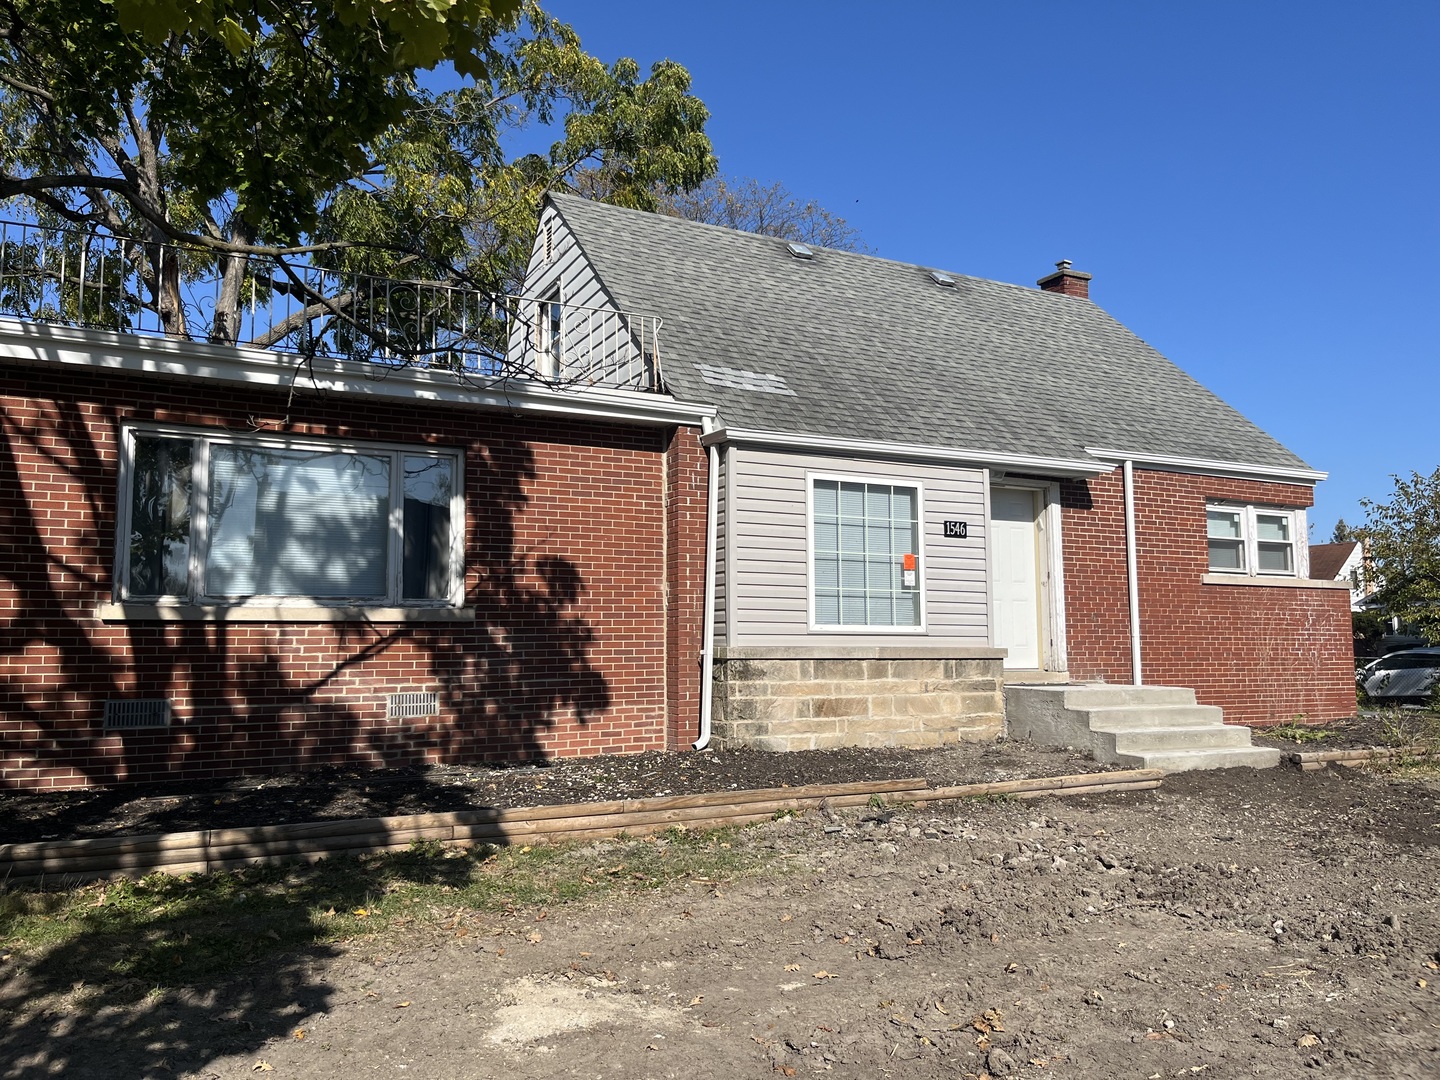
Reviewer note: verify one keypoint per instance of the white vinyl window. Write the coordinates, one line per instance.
(213, 517)
(550, 334)
(865, 555)
(1254, 540)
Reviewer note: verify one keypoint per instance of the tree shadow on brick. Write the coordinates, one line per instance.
(258, 696)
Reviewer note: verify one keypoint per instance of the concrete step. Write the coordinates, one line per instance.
(1207, 737)
(1254, 757)
(1121, 717)
(1104, 695)
(1156, 727)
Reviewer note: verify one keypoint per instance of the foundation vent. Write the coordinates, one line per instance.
(134, 713)
(412, 703)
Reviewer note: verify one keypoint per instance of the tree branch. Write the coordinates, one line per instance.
(26, 88)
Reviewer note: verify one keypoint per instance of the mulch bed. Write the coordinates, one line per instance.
(338, 793)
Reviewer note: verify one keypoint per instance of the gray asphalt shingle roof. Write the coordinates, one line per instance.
(874, 349)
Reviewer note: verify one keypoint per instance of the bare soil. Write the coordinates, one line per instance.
(1229, 924)
(336, 793)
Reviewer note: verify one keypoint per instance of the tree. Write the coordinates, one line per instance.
(297, 134)
(746, 204)
(1404, 540)
(1346, 534)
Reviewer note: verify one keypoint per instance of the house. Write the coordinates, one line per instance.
(930, 486)
(693, 485)
(299, 552)
(1344, 561)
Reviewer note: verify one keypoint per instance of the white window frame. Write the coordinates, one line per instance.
(851, 478)
(204, 438)
(550, 332)
(1250, 539)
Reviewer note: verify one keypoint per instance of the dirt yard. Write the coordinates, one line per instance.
(1227, 924)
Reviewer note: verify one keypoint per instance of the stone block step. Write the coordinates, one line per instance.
(1254, 757)
(1195, 737)
(1122, 717)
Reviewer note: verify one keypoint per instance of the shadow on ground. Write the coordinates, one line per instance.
(162, 976)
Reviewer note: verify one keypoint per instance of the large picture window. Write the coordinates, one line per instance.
(227, 519)
(1253, 540)
(865, 543)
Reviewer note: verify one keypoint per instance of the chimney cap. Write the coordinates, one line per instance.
(1064, 264)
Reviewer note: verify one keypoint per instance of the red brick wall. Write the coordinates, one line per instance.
(569, 559)
(1265, 654)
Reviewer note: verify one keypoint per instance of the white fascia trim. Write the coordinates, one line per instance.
(1068, 467)
(43, 343)
(1207, 467)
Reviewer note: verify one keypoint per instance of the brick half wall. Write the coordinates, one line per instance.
(1264, 653)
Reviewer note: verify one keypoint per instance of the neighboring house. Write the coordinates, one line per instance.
(1343, 562)
(920, 473)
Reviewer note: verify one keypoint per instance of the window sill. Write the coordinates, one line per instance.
(1282, 582)
(132, 611)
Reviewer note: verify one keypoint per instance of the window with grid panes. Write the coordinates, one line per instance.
(861, 532)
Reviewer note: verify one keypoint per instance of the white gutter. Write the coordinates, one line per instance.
(43, 344)
(707, 635)
(1209, 466)
(1048, 466)
(1132, 575)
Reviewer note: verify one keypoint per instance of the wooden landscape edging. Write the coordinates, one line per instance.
(202, 851)
(1312, 760)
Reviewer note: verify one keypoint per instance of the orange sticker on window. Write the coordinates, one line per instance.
(907, 562)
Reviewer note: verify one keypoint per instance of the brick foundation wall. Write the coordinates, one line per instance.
(569, 560)
(772, 700)
(1266, 654)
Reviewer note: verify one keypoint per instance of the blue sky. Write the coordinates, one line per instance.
(1253, 185)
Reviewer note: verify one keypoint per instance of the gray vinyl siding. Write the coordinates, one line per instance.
(766, 548)
(597, 343)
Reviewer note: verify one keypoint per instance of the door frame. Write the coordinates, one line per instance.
(1050, 555)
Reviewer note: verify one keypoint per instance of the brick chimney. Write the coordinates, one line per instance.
(1066, 282)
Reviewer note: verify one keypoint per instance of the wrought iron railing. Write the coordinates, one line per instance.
(98, 281)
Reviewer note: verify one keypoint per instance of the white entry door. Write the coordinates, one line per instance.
(1015, 574)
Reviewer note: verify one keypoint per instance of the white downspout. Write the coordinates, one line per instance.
(707, 638)
(1132, 574)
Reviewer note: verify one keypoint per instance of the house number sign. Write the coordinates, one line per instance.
(958, 530)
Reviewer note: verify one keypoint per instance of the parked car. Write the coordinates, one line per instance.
(1404, 677)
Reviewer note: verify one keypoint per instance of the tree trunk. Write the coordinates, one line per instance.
(165, 288)
(229, 302)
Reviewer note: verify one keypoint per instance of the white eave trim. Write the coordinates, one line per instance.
(43, 343)
(1208, 467)
(1045, 466)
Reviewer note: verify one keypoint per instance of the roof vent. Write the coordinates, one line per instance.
(800, 251)
(945, 281)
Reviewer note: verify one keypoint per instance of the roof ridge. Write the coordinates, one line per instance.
(859, 256)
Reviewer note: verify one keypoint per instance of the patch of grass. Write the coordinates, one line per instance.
(1297, 732)
(164, 931)
(1413, 768)
(1410, 727)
